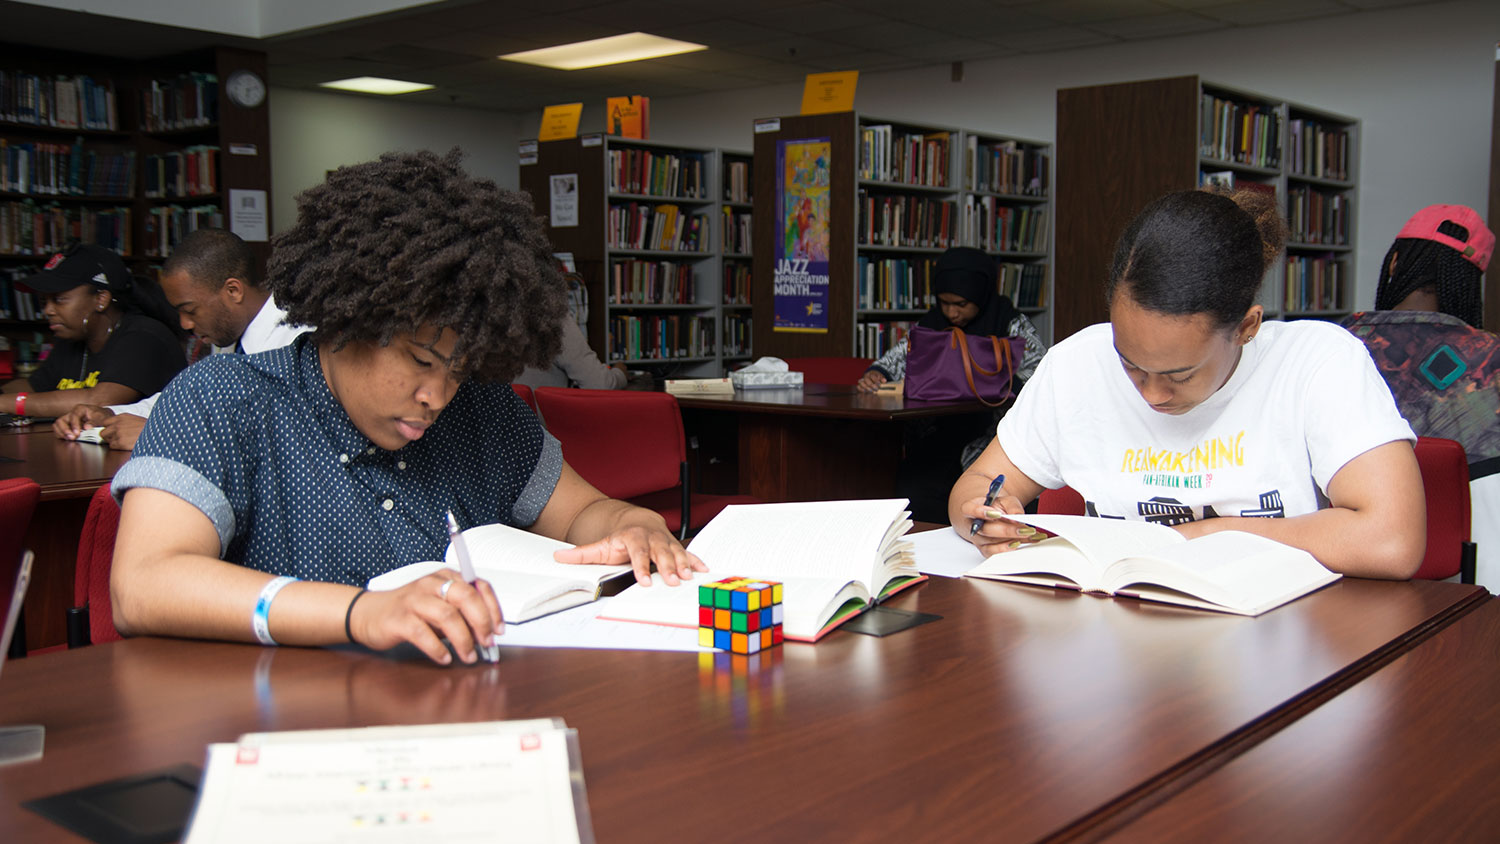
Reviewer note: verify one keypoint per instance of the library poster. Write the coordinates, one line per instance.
(800, 279)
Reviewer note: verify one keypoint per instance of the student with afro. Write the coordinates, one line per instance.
(1427, 338)
(266, 489)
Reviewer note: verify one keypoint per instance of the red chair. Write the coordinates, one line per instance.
(1060, 502)
(92, 619)
(1445, 480)
(525, 394)
(18, 498)
(830, 370)
(629, 444)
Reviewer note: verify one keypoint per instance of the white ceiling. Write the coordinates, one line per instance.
(452, 44)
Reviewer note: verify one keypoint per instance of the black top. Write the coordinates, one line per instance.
(140, 353)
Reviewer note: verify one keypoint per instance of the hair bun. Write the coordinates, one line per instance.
(1262, 208)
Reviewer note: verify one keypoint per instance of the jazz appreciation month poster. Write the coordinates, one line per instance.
(800, 282)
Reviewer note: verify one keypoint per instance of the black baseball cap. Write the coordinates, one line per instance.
(82, 264)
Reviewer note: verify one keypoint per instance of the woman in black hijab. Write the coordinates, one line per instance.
(967, 297)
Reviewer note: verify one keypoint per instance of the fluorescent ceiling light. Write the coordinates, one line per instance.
(376, 85)
(616, 49)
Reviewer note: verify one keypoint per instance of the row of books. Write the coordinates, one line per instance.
(1316, 216)
(167, 224)
(667, 337)
(1242, 132)
(644, 171)
(30, 228)
(635, 282)
(736, 283)
(895, 284)
(16, 303)
(736, 335)
(59, 169)
(1314, 283)
(736, 231)
(65, 102)
(1006, 167)
(191, 100)
(912, 221)
(993, 226)
(737, 181)
(1025, 284)
(889, 155)
(873, 339)
(193, 171)
(635, 225)
(1316, 150)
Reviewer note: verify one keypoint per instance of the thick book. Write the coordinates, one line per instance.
(834, 559)
(699, 386)
(518, 564)
(1229, 571)
(485, 781)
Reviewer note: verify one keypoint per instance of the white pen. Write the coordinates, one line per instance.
(466, 569)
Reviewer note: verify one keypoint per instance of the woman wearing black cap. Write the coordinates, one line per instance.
(967, 297)
(114, 340)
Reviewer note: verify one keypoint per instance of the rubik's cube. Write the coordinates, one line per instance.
(740, 615)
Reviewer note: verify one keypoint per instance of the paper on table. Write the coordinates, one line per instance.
(943, 552)
(580, 628)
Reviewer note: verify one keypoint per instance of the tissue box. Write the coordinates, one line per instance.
(766, 380)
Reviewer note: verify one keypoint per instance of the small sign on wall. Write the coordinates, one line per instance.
(248, 214)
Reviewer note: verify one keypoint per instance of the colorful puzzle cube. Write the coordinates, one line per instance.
(739, 614)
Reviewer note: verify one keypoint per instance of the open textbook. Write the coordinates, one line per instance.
(488, 781)
(1229, 571)
(519, 565)
(833, 557)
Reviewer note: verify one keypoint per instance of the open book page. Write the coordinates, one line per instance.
(1105, 540)
(829, 540)
(943, 552)
(1239, 572)
(500, 547)
(807, 603)
(582, 627)
(452, 783)
(1051, 562)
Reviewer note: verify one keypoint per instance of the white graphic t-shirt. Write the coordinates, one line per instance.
(1304, 400)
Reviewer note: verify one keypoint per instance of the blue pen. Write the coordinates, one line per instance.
(989, 498)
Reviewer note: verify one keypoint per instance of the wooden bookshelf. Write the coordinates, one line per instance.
(736, 238)
(1127, 144)
(79, 134)
(645, 237)
(901, 193)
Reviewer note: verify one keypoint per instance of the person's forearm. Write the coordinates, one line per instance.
(59, 402)
(1343, 540)
(608, 515)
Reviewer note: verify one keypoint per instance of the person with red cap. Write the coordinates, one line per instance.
(1428, 341)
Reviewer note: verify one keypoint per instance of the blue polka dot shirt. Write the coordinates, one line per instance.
(261, 446)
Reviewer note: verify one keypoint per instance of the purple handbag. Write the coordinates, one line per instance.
(950, 365)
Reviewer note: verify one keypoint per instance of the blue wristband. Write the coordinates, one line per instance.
(260, 619)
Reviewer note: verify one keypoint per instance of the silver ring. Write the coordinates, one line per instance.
(443, 591)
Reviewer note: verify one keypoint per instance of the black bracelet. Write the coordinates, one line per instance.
(349, 613)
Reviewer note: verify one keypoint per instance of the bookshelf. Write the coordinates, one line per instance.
(899, 194)
(736, 205)
(1127, 144)
(129, 155)
(644, 234)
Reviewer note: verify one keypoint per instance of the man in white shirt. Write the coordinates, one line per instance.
(210, 279)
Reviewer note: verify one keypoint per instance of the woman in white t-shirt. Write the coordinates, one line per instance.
(1188, 410)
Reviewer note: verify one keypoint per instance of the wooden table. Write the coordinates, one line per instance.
(1410, 754)
(1025, 714)
(69, 473)
(822, 442)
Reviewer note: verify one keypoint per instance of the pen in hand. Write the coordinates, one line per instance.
(989, 499)
(491, 653)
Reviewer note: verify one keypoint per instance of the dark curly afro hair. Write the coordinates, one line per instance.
(411, 240)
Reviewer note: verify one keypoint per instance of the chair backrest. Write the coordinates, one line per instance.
(18, 498)
(1445, 480)
(625, 442)
(96, 552)
(1060, 502)
(830, 370)
(525, 394)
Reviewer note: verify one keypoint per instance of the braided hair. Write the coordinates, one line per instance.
(1427, 264)
(385, 247)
